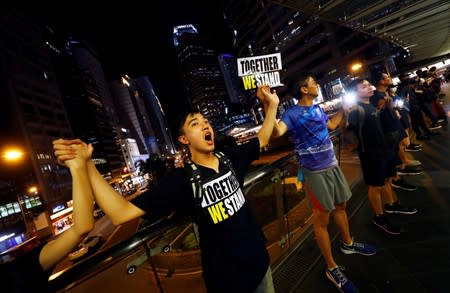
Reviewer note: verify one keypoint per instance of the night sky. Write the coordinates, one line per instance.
(134, 37)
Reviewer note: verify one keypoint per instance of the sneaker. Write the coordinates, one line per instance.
(440, 120)
(412, 149)
(408, 170)
(383, 223)
(397, 208)
(359, 248)
(338, 278)
(434, 126)
(402, 184)
(413, 163)
(415, 145)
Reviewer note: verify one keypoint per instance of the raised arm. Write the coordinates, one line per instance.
(335, 120)
(112, 203)
(270, 101)
(83, 219)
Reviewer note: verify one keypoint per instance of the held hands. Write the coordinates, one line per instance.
(72, 153)
(266, 96)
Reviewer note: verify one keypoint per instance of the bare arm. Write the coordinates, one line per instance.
(83, 219)
(279, 129)
(270, 126)
(112, 203)
(335, 120)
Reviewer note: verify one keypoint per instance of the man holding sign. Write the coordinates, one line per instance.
(325, 185)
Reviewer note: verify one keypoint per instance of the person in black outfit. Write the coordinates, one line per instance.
(393, 130)
(407, 90)
(376, 157)
(232, 245)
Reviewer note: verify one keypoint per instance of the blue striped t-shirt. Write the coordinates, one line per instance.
(308, 127)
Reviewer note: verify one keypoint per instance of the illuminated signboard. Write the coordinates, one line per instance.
(257, 70)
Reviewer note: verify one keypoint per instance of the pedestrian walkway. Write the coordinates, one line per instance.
(417, 261)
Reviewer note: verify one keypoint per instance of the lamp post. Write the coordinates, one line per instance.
(15, 156)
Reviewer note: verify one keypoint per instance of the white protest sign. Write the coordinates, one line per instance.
(258, 70)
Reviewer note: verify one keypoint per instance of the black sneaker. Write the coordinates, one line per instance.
(413, 149)
(383, 223)
(434, 126)
(415, 145)
(402, 184)
(409, 170)
(397, 208)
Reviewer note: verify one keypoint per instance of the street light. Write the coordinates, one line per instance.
(355, 67)
(14, 155)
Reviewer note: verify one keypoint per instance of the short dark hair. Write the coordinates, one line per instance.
(181, 118)
(299, 80)
(377, 77)
(353, 85)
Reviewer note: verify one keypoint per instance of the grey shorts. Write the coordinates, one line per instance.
(326, 188)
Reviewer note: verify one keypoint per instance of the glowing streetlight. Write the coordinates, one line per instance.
(356, 66)
(15, 155)
(12, 155)
(32, 189)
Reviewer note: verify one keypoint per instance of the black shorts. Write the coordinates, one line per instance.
(404, 119)
(376, 167)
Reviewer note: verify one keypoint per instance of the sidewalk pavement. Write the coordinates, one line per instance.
(417, 261)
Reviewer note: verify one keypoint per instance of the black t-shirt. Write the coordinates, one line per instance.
(24, 274)
(388, 117)
(233, 251)
(372, 134)
(406, 91)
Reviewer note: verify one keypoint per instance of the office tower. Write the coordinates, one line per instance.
(89, 104)
(211, 81)
(142, 115)
(133, 119)
(199, 66)
(160, 141)
(33, 113)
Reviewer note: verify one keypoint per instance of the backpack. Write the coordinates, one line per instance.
(197, 190)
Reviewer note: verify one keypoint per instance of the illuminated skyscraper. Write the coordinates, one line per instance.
(32, 111)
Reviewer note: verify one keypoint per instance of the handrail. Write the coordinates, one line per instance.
(66, 277)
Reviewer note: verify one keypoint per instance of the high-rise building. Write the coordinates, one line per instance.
(133, 117)
(199, 66)
(89, 104)
(131, 153)
(211, 81)
(161, 142)
(32, 113)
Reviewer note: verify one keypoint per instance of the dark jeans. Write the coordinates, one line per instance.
(427, 108)
(417, 122)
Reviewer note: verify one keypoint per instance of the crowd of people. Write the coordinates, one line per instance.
(234, 256)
